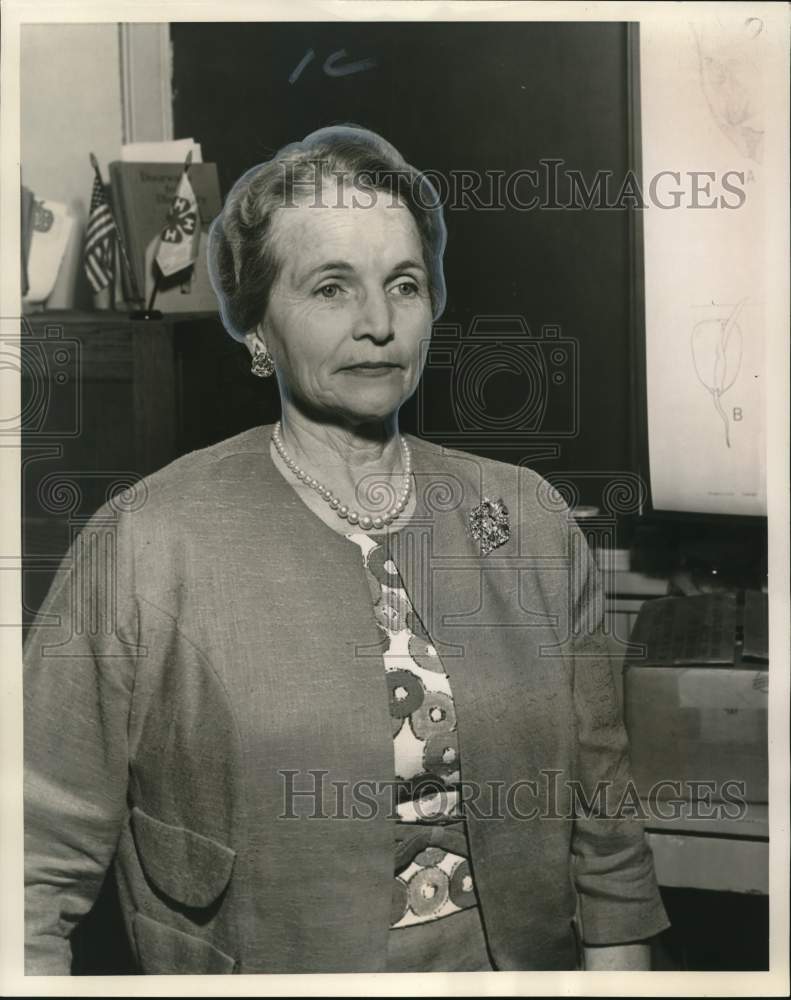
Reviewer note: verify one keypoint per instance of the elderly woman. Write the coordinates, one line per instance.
(327, 697)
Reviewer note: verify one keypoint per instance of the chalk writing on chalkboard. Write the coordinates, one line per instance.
(303, 62)
(332, 65)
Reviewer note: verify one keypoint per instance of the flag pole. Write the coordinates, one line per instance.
(133, 285)
(155, 289)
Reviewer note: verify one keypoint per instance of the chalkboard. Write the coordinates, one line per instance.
(475, 97)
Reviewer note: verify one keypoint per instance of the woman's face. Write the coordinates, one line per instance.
(349, 316)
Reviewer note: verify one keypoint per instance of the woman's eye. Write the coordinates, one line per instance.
(328, 291)
(407, 288)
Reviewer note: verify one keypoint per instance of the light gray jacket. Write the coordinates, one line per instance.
(209, 640)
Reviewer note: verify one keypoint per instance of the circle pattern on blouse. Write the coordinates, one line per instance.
(426, 892)
(437, 882)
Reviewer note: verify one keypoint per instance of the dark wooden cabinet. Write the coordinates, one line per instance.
(107, 400)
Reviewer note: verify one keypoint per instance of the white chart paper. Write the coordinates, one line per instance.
(702, 123)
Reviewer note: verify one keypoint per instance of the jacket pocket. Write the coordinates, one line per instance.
(165, 951)
(185, 866)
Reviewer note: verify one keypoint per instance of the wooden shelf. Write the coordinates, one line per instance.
(716, 864)
(85, 319)
(718, 855)
(754, 824)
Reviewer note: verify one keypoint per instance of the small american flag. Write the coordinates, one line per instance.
(99, 240)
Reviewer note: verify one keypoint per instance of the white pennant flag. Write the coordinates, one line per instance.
(180, 236)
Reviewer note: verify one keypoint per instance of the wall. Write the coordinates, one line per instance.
(70, 95)
(70, 104)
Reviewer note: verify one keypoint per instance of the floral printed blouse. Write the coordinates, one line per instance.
(433, 880)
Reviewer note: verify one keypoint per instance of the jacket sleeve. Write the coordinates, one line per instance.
(79, 661)
(618, 896)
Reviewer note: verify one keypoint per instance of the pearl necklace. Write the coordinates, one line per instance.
(342, 510)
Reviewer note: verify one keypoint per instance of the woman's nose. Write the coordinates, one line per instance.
(375, 318)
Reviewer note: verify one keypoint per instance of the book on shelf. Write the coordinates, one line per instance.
(142, 194)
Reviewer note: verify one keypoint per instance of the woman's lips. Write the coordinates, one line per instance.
(371, 369)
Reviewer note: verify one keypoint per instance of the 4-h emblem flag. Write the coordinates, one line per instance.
(180, 236)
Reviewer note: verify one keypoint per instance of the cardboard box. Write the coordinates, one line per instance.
(696, 695)
(698, 723)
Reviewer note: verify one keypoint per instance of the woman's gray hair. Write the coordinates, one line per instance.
(242, 261)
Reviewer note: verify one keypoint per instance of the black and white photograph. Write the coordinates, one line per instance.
(395, 441)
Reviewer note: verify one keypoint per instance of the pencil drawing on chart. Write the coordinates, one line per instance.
(729, 64)
(717, 356)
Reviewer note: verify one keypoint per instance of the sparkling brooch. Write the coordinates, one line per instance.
(489, 524)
